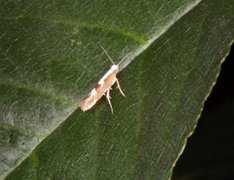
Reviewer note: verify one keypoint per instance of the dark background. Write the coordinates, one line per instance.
(209, 153)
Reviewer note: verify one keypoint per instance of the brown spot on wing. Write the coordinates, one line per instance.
(97, 86)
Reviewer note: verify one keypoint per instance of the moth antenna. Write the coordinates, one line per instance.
(107, 55)
(122, 59)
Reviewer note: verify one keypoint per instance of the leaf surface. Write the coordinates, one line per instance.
(50, 59)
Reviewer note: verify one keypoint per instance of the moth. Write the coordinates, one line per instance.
(103, 87)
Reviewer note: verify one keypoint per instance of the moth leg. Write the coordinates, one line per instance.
(108, 99)
(119, 87)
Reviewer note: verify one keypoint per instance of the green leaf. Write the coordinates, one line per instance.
(210, 149)
(50, 59)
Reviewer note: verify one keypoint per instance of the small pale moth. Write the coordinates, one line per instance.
(103, 87)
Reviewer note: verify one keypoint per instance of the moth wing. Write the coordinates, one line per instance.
(100, 89)
(89, 101)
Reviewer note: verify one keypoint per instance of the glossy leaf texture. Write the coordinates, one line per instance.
(51, 58)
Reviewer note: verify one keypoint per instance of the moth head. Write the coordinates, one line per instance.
(114, 67)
